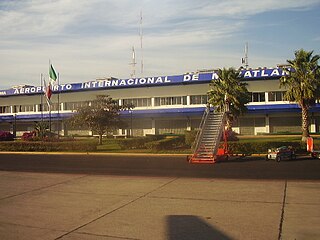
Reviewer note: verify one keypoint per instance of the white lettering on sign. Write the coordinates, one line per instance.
(214, 76)
(147, 81)
(286, 72)
(275, 72)
(192, 77)
(255, 73)
(263, 74)
(247, 74)
(130, 81)
(122, 82)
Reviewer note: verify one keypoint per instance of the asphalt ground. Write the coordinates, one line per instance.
(77, 196)
(251, 167)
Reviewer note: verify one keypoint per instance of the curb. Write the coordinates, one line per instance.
(93, 153)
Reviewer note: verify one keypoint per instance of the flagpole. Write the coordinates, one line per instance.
(53, 76)
(50, 118)
(58, 104)
(41, 98)
(49, 103)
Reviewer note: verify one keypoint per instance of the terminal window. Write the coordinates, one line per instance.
(138, 102)
(5, 109)
(258, 97)
(199, 99)
(23, 108)
(160, 101)
(43, 107)
(275, 96)
(75, 105)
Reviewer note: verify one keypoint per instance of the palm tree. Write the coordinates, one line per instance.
(227, 93)
(302, 84)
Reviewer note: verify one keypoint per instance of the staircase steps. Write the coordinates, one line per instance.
(208, 139)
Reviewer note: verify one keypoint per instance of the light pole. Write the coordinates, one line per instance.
(131, 132)
(14, 129)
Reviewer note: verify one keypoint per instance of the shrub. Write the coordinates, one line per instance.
(231, 136)
(132, 143)
(138, 142)
(262, 146)
(40, 146)
(155, 137)
(167, 143)
(190, 137)
(6, 136)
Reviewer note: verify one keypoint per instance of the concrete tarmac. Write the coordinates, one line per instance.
(108, 207)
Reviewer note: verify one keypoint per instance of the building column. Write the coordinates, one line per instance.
(153, 126)
(266, 96)
(313, 127)
(267, 123)
(188, 124)
(188, 100)
(64, 129)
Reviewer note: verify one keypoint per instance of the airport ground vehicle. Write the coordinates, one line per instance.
(280, 153)
(310, 148)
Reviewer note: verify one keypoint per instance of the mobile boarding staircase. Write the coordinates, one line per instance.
(206, 146)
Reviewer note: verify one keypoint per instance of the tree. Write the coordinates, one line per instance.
(42, 129)
(100, 115)
(227, 93)
(302, 84)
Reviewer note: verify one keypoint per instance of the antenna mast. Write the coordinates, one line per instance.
(133, 63)
(141, 36)
(245, 59)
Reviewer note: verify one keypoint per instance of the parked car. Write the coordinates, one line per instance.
(280, 153)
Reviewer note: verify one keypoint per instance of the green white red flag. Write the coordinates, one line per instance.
(52, 73)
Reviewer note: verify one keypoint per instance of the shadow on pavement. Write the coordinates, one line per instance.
(188, 227)
(238, 159)
(263, 158)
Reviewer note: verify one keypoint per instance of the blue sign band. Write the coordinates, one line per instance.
(114, 83)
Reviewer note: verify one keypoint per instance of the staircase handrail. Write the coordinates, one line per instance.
(218, 139)
(196, 143)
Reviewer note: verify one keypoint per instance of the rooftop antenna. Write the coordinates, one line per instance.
(133, 63)
(245, 59)
(141, 37)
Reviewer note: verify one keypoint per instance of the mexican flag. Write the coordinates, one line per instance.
(52, 73)
(47, 92)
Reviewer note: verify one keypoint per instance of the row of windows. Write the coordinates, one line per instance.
(137, 102)
(140, 102)
(272, 96)
(75, 105)
(33, 108)
(166, 101)
(5, 109)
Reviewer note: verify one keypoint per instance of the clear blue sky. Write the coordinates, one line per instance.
(86, 40)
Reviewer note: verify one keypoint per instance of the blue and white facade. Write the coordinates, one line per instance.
(163, 104)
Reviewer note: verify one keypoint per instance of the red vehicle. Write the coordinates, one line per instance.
(280, 153)
(310, 148)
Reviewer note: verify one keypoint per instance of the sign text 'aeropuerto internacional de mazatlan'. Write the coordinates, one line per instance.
(114, 83)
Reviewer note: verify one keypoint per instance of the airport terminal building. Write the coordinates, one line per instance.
(163, 104)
